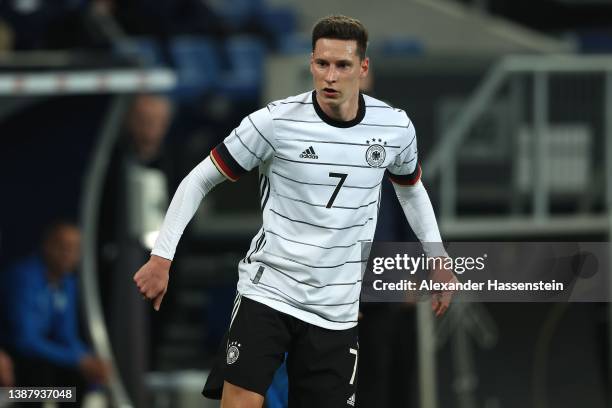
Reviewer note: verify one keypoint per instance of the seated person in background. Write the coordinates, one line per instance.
(42, 313)
(7, 378)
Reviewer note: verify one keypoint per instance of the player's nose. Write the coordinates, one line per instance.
(331, 75)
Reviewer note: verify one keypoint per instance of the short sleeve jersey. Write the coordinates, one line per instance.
(320, 182)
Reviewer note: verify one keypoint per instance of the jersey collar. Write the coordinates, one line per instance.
(340, 123)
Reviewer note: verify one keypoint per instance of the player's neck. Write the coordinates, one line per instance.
(344, 112)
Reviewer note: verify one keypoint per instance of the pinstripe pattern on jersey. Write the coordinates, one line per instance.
(381, 125)
(298, 120)
(275, 104)
(323, 184)
(308, 303)
(261, 134)
(314, 266)
(300, 102)
(330, 142)
(323, 205)
(311, 244)
(319, 226)
(247, 147)
(408, 145)
(301, 282)
(409, 161)
(317, 163)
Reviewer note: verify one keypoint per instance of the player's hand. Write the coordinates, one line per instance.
(94, 369)
(152, 279)
(440, 301)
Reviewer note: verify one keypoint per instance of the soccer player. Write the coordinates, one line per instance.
(321, 157)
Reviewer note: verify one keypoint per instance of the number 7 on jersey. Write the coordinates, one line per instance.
(342, 177)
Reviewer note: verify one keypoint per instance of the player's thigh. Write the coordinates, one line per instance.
(238, 397)
(257, 341)
(322, 367)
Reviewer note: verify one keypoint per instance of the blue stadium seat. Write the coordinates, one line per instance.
(146, 50)
(237, 13)
(280, 21)
(197, 65)
(399, 47)
(246, 57)
(295, 44)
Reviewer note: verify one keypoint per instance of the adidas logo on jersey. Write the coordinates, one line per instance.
(309, 154)
(351, 401)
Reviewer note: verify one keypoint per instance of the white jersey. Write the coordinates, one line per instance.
(320, 182)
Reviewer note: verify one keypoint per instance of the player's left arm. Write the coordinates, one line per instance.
(419, 212)
(405, 174)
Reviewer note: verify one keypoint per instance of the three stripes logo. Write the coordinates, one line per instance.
(309, 154)
(351, 401)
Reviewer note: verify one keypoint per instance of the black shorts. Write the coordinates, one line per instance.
(321, 363)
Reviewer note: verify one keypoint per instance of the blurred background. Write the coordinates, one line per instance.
(105, 105)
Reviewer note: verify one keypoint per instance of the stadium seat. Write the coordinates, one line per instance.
(246, 61)
(237, 13)
(279, 22)
(197, 64)
(399, 47)
(295, 44)
(145, 50)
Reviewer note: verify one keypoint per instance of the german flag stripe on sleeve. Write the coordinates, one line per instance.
(406, 179)
(225, 163)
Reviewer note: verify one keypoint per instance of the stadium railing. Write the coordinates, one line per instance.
(442, 163)
(510, 74)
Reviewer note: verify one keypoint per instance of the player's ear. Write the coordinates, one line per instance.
(365, 67)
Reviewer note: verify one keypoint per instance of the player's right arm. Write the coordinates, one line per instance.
(152, 277)
(245, 148)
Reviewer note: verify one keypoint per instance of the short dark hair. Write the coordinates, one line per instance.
(341, 28)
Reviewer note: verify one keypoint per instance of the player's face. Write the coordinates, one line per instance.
(337, 71)
(147, 124)
(63, 249)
